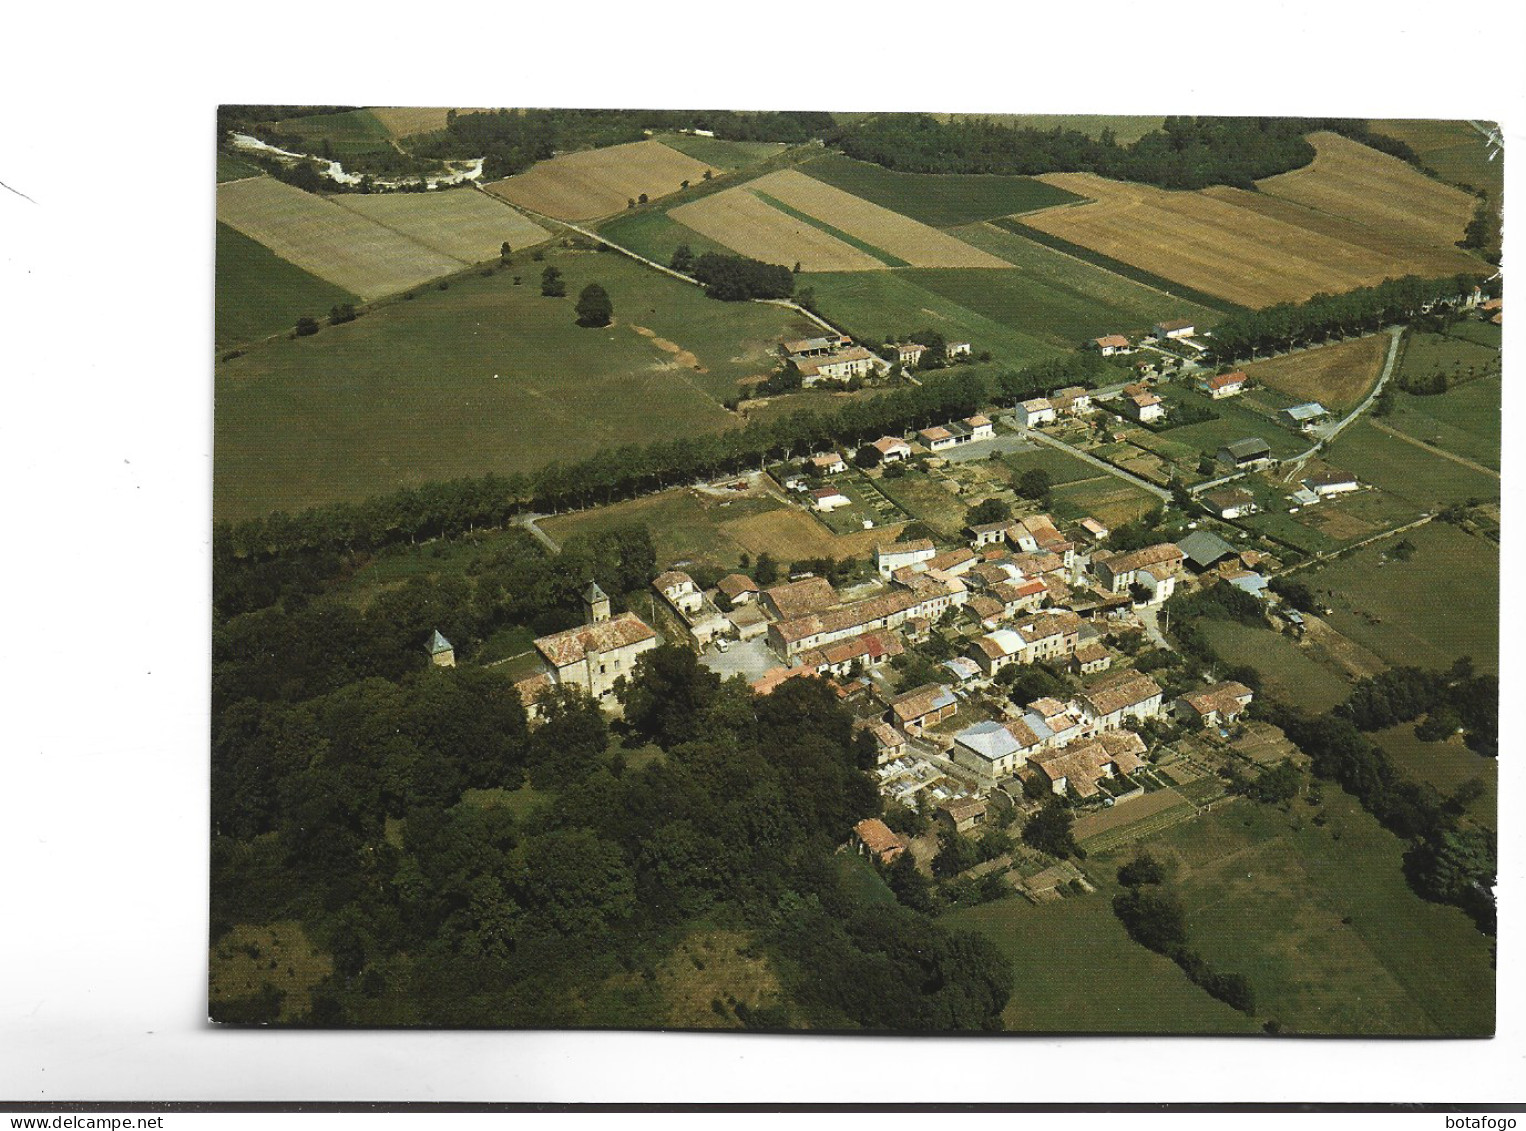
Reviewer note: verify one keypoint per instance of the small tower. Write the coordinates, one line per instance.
(441, 654)
(596, 602)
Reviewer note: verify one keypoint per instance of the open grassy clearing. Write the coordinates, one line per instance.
(1322, 923)
(1458, 152)
(334, 243)
(656, 235)
(1062, 467)
(1351, 180)
(1464, 420)
(1077, 971)
(1337, 376)
(929, 499)
(1428, 480)
(599, 182)
(353, 131)
(1289, 672)
(1441, 604)
(1446, 765)
(685, 526)
(1127, 128)
(1472, 330)
(465, 225)
(408, 393)
(259, 293)
(250, 958)
(942, 200)
(230, 168)
(1108, 499)
(720, 153)
(1235, 422)
(1249, 248)
(880, 305)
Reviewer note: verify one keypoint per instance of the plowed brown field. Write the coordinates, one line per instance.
(599, 182)
(1338, 376)
(746, 224)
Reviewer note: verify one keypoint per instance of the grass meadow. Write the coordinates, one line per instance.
(1288, 672)
(941, 200)
(1426, 479)
(259, 293)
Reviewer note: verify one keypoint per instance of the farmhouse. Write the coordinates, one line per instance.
(679, 590)
(1127, 695)
(923, 707)
(963, 815)
(1230, 502)
(865, 652)
(937, 438)
(1034, 412)
(1214, 706)
(748, 621)
(1330, 482)
(1222, 385)
(1080, 766)
(889, 743)
(1144, 406)
(899, 555)
(1095, 532)
(1203, 548)
(828, 463)
(815, 347)
(1036, 533)
(1179, 328)
(991, 750)
(1117, 572)
(738, 588)
(829, 499)
(888, 610)
(854, 361)
(1091, 658)
(595, 655)
(987, 533)
(892, 449)
(1246, 454)
(956, 349)
(1306, 416)
(872, 837)
(910, 354)
(799, 598)
(981, 428)
(1111, 344)
(1072, 400)
(442, 654)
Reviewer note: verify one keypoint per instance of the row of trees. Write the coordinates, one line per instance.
(734, 278)
(1245, 334)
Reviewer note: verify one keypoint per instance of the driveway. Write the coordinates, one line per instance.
(749, 659)
(985, 449)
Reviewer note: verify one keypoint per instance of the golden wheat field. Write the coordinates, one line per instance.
(334, 243)
(468, 226)
(751, 226)
(600, 182)
(1337, 376)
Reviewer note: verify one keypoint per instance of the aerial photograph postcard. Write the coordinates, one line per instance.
(802, 571)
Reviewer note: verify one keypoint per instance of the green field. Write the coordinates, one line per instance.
(939, 199)
(1126, 128)
(1062, 466)
(1464, 420)
(1458, 152)
(877, 306)
(1441, 604)
(259, 293)
(684, 527)
(408, 393)
(1427, 480)
(230, 168)
(657, 235)
(1110, 500)
(1473, 330)
(354, 131)
(836, 233)
(721, 153)
(1445, 765)
(1235, 422)
(1289, 672)
(1321, 921)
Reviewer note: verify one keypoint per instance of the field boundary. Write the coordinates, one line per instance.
(1435, 451)
(837, 233)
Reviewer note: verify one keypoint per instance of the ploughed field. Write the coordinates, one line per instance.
(600, 182)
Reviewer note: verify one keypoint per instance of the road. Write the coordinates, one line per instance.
(1127, 477)
(1396, 434)
(528, 521)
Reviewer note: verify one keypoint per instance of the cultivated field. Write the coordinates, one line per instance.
(260, 293)
(230, 168)
(353, 131)
(1394, 461)
(1464, 420)
(403, 121)
(1458, 152)
(599, 182)
(747, 224)
(334, 243)
(1249, 248)
(721, 153)
(486, 376)
(1337, 376)
(465, 225)
(1106, 498)
(939, 199)
(1348, 179)
(791, 535)
(656, 235)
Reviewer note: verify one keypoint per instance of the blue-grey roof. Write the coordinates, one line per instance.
(946, 698)
(1037, 725)
(438, 644)
(988, 739)
(1242, 449)
(963, 668)
(1313, 410)
(1252, 583)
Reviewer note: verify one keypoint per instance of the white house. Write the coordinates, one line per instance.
(910, 354)
(1143, 407)
(1034, 412)
(1222, 385)
(892, 449)
(937, 438)
(898, 555)
(1180, 328)
(980, 428)
(1111, 344)
(828, 499)
(1328, 483)
(679, 590)
(831, 463)
(956, 349)
(1128, 695)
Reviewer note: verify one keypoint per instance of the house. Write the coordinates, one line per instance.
(1331, 482)
(829, 499)
(1247, 454)
(1037, 533)
(888, 610)
(854, 361)
(952, 350)
(1158, 582)
(955, 563)
(988, 610)
(1127, 695)
(530, 690)
(594, 656)
(846, 657)
(828, 463)
(898, 555)
(981, 428)
(1072, 400)
(1111, 344)
(1091, 658)
(910, 354)
(996, 650)
(795, 483)
(922, 707)
(815, 347)
(442, 654)
(1222, 385)
(1214, 706)
(1081, 765)
(1248, 581)
(1203, 548)
(1042, 636)
(748, 621)
(963, 814)
(991, 750)
(889, 743)
(1117, 572)
(1144, 407)
(892, 449)
(799, 598)
(1034, 412)
(872, 837)
(1179, 328)
(1306, 416)
(738, 588)
(962, 670)
(987, 533)
(1230, 502)
(1020, 596)
(1095, 532)
(937, 438)
(679, 590)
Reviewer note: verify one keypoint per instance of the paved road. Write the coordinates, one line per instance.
(528, 521)
(1149, 616)
(1127, 477)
